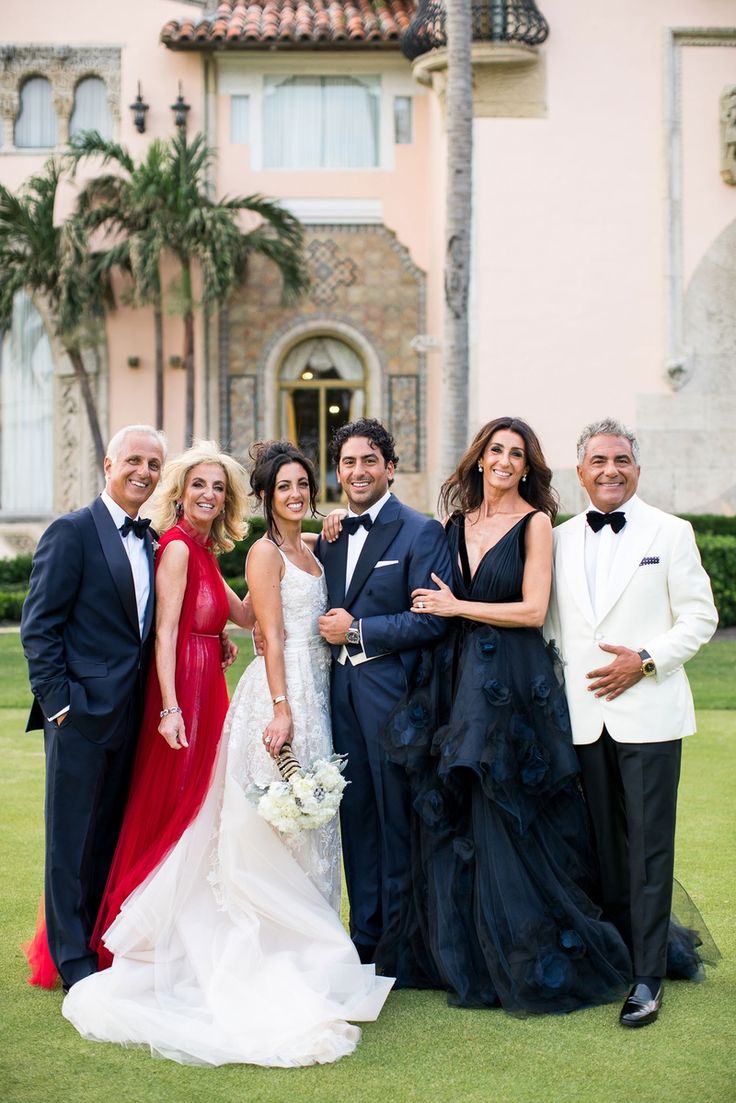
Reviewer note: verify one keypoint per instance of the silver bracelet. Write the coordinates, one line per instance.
(277, 700)
(169, 712)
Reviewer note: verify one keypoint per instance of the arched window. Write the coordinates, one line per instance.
(26, 413)
(91, 110)
(322, 385)
(37, 125)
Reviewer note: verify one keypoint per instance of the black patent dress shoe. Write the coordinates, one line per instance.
(641, 1007)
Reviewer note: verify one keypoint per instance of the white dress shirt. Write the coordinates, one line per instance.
(600, 552)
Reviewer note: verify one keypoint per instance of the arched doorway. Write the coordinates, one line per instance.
(321, 386)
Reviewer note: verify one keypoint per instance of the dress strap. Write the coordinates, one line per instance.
(463, 552)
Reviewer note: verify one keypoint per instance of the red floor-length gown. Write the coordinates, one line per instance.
(167, 787)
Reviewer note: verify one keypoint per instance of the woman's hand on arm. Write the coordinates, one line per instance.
(171, 581)
(440, 602)
(265, 569)
(332, 525)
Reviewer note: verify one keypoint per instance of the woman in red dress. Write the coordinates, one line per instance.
(201, 505)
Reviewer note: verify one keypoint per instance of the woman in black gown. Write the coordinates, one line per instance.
(503, 872)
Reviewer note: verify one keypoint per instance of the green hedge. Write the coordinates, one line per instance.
(718, 551)
(719, 559)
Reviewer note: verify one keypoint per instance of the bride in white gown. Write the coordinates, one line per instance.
(232, 951)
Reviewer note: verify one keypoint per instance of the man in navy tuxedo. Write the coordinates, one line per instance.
(87, 634)
(385, 551)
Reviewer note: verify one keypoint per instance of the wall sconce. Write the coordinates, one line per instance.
(139, 108)
(134, 361)
(180, 108)
(175, 361)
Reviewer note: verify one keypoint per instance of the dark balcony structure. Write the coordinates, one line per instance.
(498, 21)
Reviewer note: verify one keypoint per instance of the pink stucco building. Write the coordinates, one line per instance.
(604, 231)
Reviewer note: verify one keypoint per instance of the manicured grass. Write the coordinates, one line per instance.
(419, 1050)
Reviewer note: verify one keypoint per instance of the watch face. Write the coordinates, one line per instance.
(648, 668)
(352, 636)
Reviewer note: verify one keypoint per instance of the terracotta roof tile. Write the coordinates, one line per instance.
(250, 24)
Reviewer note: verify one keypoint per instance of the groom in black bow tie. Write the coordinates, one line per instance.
(87, 635)
(629, 588)
(385, 551)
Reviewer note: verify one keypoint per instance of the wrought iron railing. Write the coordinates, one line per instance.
(493, 21)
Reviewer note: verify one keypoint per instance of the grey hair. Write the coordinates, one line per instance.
(607, 427)
(115, 444)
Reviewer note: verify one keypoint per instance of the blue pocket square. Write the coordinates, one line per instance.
(648, 560)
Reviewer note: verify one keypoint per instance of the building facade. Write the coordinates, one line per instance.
(604, 232)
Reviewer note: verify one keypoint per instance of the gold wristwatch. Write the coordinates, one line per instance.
(648, 667)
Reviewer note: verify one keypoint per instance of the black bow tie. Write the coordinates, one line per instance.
(352, 524)
(138, 525)
(596, 520)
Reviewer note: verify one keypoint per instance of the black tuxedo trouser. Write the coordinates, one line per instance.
(631, 792)
(375, 810)
(86, 790)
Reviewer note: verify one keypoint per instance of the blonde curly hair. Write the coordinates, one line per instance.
(225, 529)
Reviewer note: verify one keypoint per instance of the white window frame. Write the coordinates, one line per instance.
(239, 76)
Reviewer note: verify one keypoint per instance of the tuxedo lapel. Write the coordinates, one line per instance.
(636, 539)
(333, 558)
(117, 561)
(387, 525)
(378, 540)
(148, 618)
(571, 562)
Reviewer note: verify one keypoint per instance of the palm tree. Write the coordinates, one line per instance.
(459, 102)
(127, 204)
(54, 262)
(204, 233)
(163, 205)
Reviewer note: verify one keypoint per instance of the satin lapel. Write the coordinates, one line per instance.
(570, 560)
(117, 560)
(148, 618)
(333, 558)
(636, 539)
(378, 539)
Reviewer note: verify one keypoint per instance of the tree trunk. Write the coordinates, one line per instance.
(90, 406)
(158, 324)
(459, 106)
(186, 279)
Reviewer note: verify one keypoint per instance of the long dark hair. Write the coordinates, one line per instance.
(268, 457)
(464, 489)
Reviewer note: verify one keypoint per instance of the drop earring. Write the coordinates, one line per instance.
(523, 477)
(480, 466)
(178, 509)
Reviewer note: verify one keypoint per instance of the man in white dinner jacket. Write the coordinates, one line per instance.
(629, 588)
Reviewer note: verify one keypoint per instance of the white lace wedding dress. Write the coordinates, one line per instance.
(232, 951)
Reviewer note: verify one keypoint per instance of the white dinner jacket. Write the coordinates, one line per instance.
(658, 598)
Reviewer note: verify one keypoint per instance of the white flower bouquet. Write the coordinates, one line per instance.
(305, 798)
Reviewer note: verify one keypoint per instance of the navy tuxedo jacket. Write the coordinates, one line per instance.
(401, 551)
(80, 629)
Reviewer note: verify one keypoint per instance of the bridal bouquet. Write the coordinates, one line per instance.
(305, 798)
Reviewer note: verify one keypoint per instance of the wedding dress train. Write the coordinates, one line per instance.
(229, 952)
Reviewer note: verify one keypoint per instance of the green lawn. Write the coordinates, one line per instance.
(419, 1049)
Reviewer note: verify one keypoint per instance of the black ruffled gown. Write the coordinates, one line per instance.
(503, 871)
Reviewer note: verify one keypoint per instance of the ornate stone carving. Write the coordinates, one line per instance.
(243, 414)
(728, 134)
(64, 66)
(403, 416)
(328, 270)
